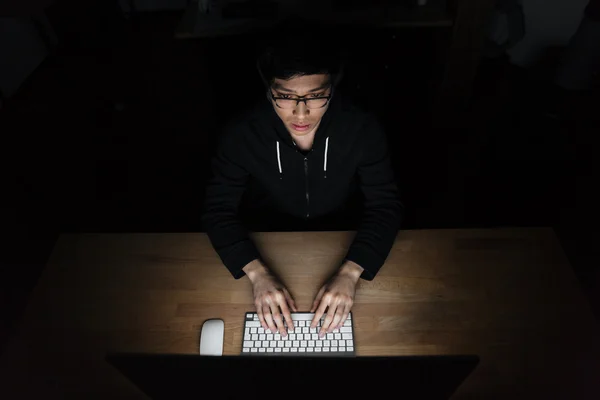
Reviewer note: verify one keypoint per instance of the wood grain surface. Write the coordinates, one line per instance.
(507, 295)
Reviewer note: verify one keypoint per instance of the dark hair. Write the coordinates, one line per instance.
(301, 48)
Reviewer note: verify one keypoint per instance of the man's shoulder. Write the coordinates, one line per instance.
(242, 120)
(352, 110)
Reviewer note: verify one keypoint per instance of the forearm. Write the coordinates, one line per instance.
(254, 269)
(375, 237)
(351, 269)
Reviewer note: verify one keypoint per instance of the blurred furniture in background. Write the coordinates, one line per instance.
(461, 55)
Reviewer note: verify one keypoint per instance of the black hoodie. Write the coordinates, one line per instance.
(257, 154)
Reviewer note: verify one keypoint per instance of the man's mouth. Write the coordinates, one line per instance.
(301, 128)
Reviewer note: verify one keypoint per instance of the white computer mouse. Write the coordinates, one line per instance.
(211, 337)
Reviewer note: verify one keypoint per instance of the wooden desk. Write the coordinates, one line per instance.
(507, 295)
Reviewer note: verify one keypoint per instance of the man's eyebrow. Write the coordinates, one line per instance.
(278, 87)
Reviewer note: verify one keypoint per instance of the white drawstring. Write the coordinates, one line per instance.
(325, 162)
(278, 158)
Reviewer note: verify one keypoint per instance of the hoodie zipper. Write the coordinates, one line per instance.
(307, 195)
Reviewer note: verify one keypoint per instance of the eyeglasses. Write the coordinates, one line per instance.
(292, 102)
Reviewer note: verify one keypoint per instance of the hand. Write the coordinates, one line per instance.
(337, 294)
(269, 296)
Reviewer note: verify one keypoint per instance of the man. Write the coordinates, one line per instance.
(299, 154)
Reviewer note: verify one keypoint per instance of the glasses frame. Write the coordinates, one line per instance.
(300, 99)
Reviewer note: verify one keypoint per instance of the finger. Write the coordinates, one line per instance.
(345, 316)
(322, 305)
(277, 317)
(315, 305)
(328, 318)
(339, 313)
(317, 299)
(290, 300)
(268, 317)
(287, 316)
(261, 317)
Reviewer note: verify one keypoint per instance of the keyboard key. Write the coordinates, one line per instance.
(254, 336)
(247, 337)
(252, 330)
(305, 329)
(301, 323)
(262, 350)
(286, 350)
(302, 350)
(261, 329)
(248, 343)
(319, 343)
(303, 343)
(330, 336)
(350, 316)
(337, 335)
(246, 350)
(277, 350)
(326, 343)
(313, 330)
(269, 350)
(294, 349)
(311, 343)
(270, 336)
(350, 348)
(346, 336)
(309, 349)
(349, 342)
(254, 350)
(277, 336)
(262, 336)
(258, 343)
(318, 349)
(292, 336)
(255, 317)
(345, 329)
(272, 343)
(341, 349)
(288, 344)
(341, 343)
(336, 331)
(346, 323)
(295, 343)
(280, 343)
(334, 349)
(314, 336)
(252, 324)
(334, 343)
(265, 343)
(325, 349)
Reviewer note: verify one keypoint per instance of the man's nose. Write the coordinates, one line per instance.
(301, 109)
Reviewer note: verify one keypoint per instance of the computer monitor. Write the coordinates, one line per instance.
(180, 376)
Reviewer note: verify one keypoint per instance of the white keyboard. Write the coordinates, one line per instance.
(302, 341)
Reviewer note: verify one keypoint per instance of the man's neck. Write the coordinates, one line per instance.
(304, 143)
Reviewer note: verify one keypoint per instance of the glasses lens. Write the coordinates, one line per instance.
(286, 103)
(316, 103)
(310, 103)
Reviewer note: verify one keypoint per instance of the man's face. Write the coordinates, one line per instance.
(301, 121)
